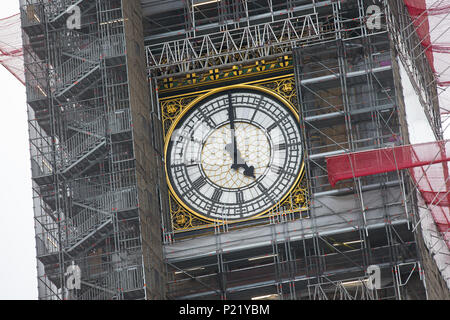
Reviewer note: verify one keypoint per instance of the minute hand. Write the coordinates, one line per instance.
(231, 148)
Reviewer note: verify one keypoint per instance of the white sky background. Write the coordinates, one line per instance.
(17, 246)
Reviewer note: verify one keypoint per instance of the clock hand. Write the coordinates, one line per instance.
(231, 148)
(233, 137)
(239, 162)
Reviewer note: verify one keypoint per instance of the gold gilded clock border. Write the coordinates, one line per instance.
(173, 109)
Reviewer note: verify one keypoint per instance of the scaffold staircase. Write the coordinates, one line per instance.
(86, 121)
(97, 212)
(83, 147)
(95, 293)
(76, 73)
(120, 277)
(85, 192)
(124, 278)
(87, 223)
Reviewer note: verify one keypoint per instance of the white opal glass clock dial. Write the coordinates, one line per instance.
(234, 154)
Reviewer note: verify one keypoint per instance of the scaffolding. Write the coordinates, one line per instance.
(85, 189)
(347, 82)
(11, 53)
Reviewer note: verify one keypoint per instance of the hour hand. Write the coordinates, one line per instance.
(238, 162)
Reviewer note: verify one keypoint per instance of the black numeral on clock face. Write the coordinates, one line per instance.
(239, 197)
(200, 182)
(281, 146)
(276, 169)
(262, 188)
(273, 126)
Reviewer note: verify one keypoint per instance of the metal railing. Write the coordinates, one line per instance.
(85, 222)
(47, 244)
(77, 147)
(76, 68)
(98, 212)
(132, 279)
(113, 46)
(32, 14)
(119, 121)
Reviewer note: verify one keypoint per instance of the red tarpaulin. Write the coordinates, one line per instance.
(430, 20)
(370, 162)
(434, 185)
(11, 53)
(428, 167)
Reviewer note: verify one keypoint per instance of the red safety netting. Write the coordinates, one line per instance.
(434, 184)
(11, 53)
(431, 19)
(427, 163)
(364, 163)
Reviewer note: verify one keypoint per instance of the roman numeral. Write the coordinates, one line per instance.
(217, 195)
(239, 197)
(281, 146)
(200, 182)
(280, 170)
(262, 188)
(276, 169)
(187, 165)
(265, 192)
(273, 126)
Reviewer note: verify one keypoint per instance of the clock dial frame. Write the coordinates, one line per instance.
(274, 121)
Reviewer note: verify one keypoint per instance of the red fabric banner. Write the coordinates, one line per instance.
(430, 21)
(428, 166)
(11, 53)
(364, 163)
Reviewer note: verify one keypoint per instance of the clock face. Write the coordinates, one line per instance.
(234, 154)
